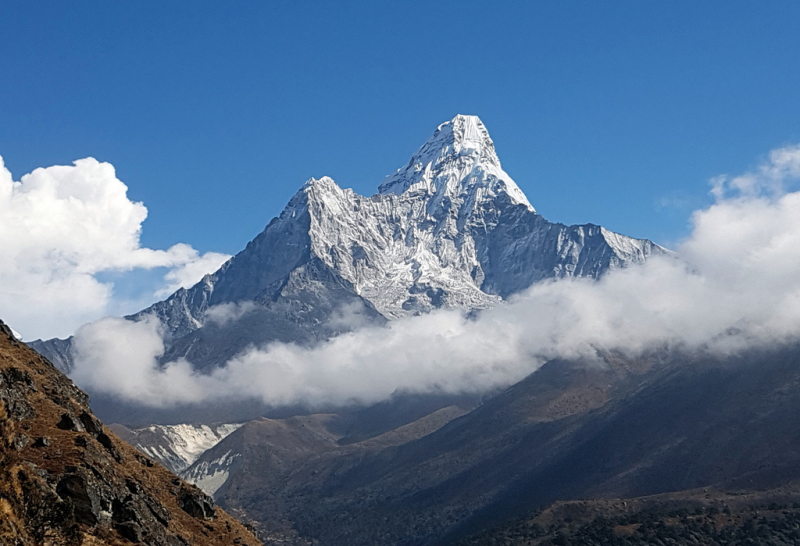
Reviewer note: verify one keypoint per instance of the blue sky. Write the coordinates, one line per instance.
(214, 113)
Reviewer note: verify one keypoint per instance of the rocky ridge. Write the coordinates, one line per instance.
(67, 479)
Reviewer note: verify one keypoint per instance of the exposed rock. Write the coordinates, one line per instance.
(15, 385)
(41, 442)
(68, 422)
(84, 498)
(91, 424)
(20, 441)
(197, 504)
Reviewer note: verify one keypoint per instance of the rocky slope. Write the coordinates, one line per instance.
(449, 230)
(67, 479)
(270, 459)
(668, 422)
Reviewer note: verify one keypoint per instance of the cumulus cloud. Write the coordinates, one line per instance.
(735, 285)
(60, 227)
(121, 353)
(770, 178)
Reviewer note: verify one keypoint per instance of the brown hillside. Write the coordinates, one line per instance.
(65, 479)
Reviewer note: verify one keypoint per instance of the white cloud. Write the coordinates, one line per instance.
(739, 269)
(60, 227)
(225, 313)
(123, 353)
(769, 179)
(192, 270)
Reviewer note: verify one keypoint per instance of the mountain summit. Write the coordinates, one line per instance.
(458, 163)
(449, 230)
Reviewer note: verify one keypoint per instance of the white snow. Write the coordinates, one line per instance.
(458, 162)
(178, 446)
(626, 248)
(412, 247)
(211, 475)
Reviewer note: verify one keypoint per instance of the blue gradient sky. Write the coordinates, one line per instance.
(215, 113)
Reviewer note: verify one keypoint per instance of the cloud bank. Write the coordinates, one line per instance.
(735, 285)
(60, 227)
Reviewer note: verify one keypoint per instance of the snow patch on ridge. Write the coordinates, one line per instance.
(628, 249)
(178, 446)
(211, 475)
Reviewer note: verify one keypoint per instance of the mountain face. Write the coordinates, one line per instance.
(282, 456)
(67, 479)
(175, 446)
(449, 230)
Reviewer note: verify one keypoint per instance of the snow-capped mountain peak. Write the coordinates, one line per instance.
(449, 230)
(459, 165)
